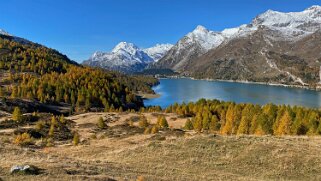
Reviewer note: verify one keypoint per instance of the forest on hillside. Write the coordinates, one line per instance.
(32, 71)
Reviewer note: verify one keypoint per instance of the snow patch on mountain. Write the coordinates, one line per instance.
(207, 39)
(158, 51)
(240, 31)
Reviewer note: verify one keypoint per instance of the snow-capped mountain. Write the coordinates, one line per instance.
(267, 50)
(158, 51)
(127, 57)
(197, 43)
(293, 24)
(205, 38)
(192, 45)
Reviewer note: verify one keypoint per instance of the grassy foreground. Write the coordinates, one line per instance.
(123, 152)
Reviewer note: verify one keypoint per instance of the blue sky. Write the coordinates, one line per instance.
(77, 28)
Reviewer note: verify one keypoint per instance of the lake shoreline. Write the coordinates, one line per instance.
(318, 88)
(185, 89)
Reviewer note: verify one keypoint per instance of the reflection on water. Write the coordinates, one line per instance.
(186, 90)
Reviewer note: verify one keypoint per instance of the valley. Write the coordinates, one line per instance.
(202, 108)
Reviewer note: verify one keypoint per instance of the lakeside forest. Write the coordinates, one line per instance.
(231, 118)
(41, 74)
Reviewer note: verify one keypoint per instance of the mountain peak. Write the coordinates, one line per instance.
(125, 46)
(3, 32)
(200, 28)
(314, 8)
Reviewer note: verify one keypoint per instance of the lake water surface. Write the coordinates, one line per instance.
(186, 90)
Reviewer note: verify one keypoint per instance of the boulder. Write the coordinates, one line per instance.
(24, 169)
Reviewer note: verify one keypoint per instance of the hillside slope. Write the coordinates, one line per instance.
(34, 72)
(259, 58)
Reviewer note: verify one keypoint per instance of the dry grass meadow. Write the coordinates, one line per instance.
(123, 152)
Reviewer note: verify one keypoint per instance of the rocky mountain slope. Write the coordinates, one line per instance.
(259, 58)
(127, 57)
(275, 47)
(195, 44)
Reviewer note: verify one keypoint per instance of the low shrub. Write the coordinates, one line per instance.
(23, 139)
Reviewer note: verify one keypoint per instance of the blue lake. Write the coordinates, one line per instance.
(186, 90)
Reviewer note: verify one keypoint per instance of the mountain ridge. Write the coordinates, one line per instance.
(232, 57)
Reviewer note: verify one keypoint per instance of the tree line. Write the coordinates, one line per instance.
(231, 118)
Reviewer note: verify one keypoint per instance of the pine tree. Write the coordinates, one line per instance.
(228, 127)
(14, 93)
(285, 124)
(205, 122)
(76, 139)
(188, 125)
(154, 129)
(264, 124)
(298, 127)
(245, 124)
(254, 124)
(244, 127)
(276, 123)
(62, 119)
(313, 122)
(198, 123)
(17, 115)
(214, 124)
(162, 122)
(52, 126)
